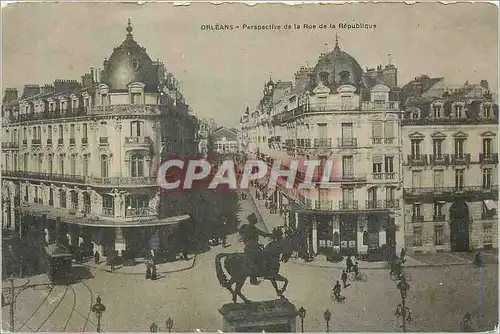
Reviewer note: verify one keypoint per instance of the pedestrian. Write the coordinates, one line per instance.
(96, 257)
(403, 255)
(348, 263)
(355, 268)
(336, 290)
(344, 278)
(148, 270)
(153, 272)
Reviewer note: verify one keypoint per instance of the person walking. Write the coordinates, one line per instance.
(348, 263)
(148, 270)
(344, 278)
(336, 290)
(96, 257)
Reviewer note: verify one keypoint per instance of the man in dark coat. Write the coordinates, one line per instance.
(250, 235)
(96, 257)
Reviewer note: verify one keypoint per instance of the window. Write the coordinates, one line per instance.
(436, 111)
(390, 194)
(85, 165)
(372, 194)
(437, 145)
(25, 133)
(487, 173)
(50, 164)
(347, 166)
(74, 104)
(336, 239)
(14, 160)
(34, 133)
(345, 101)
(389, 130)
(136, 98)
(51, 196)
(415, 148)
(417, 236)
(377, 167)
(487, 147)
(108, 205)
(137, 165)
(323, 76)
(458, 111)
(25, 162)
(74, 199)
(49, 132)
(104, 99)
(72, 131)
(389, 164)
(61, 164)
(487, 111)
(377, 132)
(348, 195)
(322, 130)
(438, 178)
(345, 77)
(136, 129)
(366, 236)
(62, 198)
(459, 147)
(16, 139)
(439, 235)
(104, 165)
(73, 164)
(136, 205)
(84, 130)
(438, 211)
(416, 210)
(416, 178)
(459, 179)
(36, 194)
(104, 130)
(61, 132)
(39, 163)
(415, 114)
(346, 130)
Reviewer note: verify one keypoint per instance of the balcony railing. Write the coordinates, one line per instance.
(460, 159)
(378, 176)
(87, 208)
(350, 177)
(142, 180)
(85, 141)
(417, 219)
(103, 140)
(382, 105)
(376, 204)
(36, 142)
(108, 212)
(138, 140)
(377, 140)
(330, 106)
(10, 145)
(60, 141)
(348, 205)
(439, 218)
(348, 142)
(144, 109)
(449, 121)
(72, 141)
(391, 204)
(139, 212)
(408, 192)
(489, 158)
(439, 159)
(323, 143)
(390, 175)
(323, 205)
(417, 160)
(389, 140)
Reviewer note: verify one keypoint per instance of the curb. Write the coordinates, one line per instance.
(191, 266)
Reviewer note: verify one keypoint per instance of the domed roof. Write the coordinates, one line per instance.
(129, 63)
(337, 68)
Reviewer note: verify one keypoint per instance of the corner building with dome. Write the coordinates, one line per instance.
(337, 112)
(80, 157)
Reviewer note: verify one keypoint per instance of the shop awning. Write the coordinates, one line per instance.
(490, 204)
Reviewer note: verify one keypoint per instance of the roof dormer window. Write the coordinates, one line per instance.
(51, 106)
(437, 110)
(415, 114)
(486, 110)
(458, 110)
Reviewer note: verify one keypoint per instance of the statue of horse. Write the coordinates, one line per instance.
(236, 265)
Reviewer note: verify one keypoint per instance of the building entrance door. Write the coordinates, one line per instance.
(325, 235)
(348, 237)
(459, 227)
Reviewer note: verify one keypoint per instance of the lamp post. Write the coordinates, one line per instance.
(302, 315)
(328, 317)
(401, 309)
(153, 328)
(98, 309)
(170, 324)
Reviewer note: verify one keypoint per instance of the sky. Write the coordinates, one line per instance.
(223, 72)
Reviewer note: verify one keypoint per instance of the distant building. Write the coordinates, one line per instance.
(450, 170)
(225, 140)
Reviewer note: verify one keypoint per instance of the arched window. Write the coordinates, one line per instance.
(39, 133)
(136, 129)
(365, 238)
(345, 77)
(34, 133)
(61, 164)
(74, 200)
(323, 76)
(49, 132)
(50, 164)
(16, 139)
(61, 131)
(62, 198)
(137, 165)
(85, 165)
(108, 205)
(336, 239)
(73, 164)
(39, 163)
(25, 133)
(104, 165)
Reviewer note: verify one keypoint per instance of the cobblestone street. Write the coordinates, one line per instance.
(438, 298)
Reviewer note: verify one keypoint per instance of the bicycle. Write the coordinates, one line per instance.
(360, 277)
(341, 299)
(398, 276)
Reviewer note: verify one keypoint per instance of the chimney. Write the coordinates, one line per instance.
(30, 90)
(65, 85)
(10, 95)
(92, 73)
(47, 89)
(97, 75)
(484, 84)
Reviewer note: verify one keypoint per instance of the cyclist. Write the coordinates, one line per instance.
(336, 290)
(355, 268)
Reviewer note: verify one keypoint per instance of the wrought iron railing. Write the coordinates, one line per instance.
(488, 158)
(417, 160)
(460, 159)
(347, 142)
(439, 159)
(348, 205)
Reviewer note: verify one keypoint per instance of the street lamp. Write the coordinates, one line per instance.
(302, 315)
(153, 328)
(170, 324)
(401, 310)
(98, 309)
(328, 317)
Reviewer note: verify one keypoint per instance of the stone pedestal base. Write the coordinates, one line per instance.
(269, 316)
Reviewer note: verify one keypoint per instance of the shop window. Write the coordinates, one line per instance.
(417, 236)
(366, 237)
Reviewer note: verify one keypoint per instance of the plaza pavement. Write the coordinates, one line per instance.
(438, 298)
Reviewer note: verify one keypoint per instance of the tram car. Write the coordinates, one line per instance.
(58, 260)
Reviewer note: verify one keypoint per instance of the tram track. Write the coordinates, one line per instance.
(54, 309)
(90, 307)
(36, 310)
(72, 308)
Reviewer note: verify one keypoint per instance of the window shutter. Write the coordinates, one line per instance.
(377, 129)
(389, 130)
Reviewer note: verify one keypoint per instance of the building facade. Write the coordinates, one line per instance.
(225, 140)
(80, 159)
(450, 166)
(336, 112)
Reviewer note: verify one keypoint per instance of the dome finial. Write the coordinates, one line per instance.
(337, 41)
(129, 28)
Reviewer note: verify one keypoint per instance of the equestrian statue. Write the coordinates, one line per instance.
(256, 260)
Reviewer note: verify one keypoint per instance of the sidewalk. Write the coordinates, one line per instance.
(270, 221)
(140, 267)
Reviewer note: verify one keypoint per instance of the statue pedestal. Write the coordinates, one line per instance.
(269, 316)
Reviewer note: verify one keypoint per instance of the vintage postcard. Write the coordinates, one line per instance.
(249, 168)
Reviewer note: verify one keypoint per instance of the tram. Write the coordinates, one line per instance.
(58, 259)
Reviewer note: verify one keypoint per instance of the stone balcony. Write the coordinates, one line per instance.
(138, 141)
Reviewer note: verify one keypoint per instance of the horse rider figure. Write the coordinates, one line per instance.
(253, 250)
